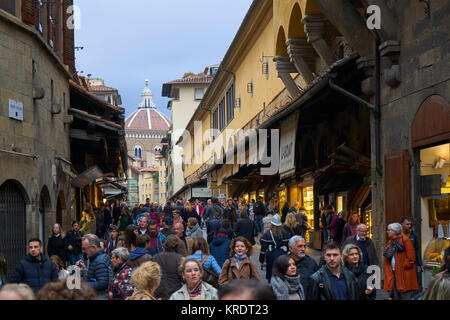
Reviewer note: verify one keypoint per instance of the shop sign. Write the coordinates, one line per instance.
(287, 146)
(201, 193)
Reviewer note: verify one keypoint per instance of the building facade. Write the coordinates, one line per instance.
(186, 94)
(359, 115)
(144, 129)
(36, 62)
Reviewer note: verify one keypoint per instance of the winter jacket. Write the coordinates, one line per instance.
(230, 214)
(188, 242)
(370, 247)
(245, 228)
(320, 288)
(170, 279)
(209, 263)
(415, 242)
(121, 288)
(231, 272)
(168, 212)
(259, 209)
(405, 273)
(361, 276)
(35, 273)
(271, 250)
(214, 211)
(220, 248)
(305, 268)
(111, 245)
(230, 233)
(284, 212)
(212, 226)
(117, 211)
(208, 292)
(349, 230)
(282, 288)
(194, 231)
(74, 240)
(107, 219)
(99, 272)
(138, 256)
(57, 246)
(141, 295)
(89, 226)
(298, 230)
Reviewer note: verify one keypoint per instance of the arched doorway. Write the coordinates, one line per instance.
(13, 236)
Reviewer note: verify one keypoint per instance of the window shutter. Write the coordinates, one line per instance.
(397, 186)
(28, 11)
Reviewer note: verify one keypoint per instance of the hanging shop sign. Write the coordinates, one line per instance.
(287, 146)
(201, 193)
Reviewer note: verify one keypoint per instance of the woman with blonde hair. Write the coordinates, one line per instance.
(146, 280)
(59, 264)
(352, 257)
(194, 289)
(291, 225)
(88, 224)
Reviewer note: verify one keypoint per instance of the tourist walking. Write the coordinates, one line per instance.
(285, 281)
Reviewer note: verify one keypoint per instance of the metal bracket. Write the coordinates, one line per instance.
(350, 95)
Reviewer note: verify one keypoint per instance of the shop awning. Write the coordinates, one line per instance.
(360, 197)
(87, 177)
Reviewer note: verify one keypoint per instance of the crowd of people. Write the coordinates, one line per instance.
(195, 251)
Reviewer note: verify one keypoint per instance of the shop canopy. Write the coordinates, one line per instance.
(87, 177)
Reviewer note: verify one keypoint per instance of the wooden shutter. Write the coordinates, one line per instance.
(397, 186)
(28, 11)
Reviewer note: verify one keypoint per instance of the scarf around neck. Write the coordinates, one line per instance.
(239, 259)
(196, 291)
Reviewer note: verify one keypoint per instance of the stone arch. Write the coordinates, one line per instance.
(432, 122)
(280, 46)
(296, 28)
(13, 221)
(309, 7)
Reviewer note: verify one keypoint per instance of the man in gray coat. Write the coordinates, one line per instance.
(365, 243)
(100, 269)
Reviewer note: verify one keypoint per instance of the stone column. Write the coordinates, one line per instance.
(299, 51)
(315, 29)
(285, 68)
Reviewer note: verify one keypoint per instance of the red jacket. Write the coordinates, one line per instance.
(200, 209)
(405, 273)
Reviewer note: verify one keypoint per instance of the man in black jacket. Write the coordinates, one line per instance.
(260, 212)
(333, 281)
(35, 269)
(56, 244)
(100, 270)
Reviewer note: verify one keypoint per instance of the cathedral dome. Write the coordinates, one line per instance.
(147, 116)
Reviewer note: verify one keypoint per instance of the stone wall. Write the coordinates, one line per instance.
(40, 133)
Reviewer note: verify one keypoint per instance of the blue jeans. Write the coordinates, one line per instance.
(325, 235)
(73, 258)
(259, 223)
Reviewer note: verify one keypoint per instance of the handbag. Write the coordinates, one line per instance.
(209, 276)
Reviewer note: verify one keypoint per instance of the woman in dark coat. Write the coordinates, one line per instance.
(246, 228)
(352, 257)
(170, 260)
(284, 212)
(56, 244)
(274, 243)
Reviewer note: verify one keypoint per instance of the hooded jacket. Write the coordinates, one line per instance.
(100, 272)
(35, 273)
(320, 288)
(138, 256)
(220, 248)
(209, 263)
(194, 231)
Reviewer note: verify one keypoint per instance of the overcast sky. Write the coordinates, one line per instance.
(126, 42)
